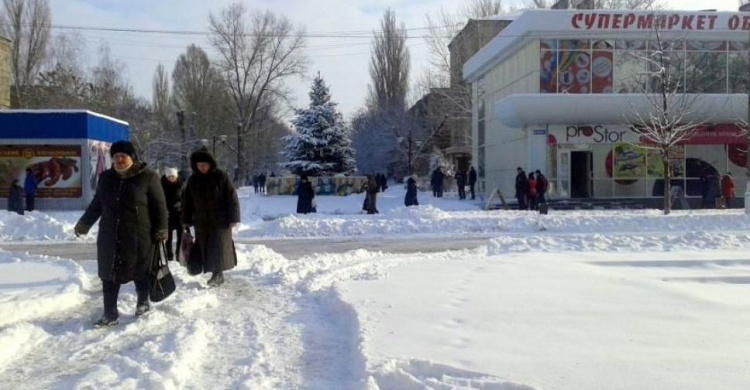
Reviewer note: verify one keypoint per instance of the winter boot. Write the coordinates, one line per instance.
(142, 308)
(217, 279)
(106, 321)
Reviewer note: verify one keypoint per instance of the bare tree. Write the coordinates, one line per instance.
(603, 4)
(67, 49)
(665, 117)
(26, 23)
(200, 94)
(160, 97)
(389, 65)
(257, 52)
(444, 26)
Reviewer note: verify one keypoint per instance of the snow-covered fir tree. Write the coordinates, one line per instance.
(322, 145)
(437, 159)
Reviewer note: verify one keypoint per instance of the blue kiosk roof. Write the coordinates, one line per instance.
(65, 124)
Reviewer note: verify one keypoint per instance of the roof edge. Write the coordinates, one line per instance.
(65, 111)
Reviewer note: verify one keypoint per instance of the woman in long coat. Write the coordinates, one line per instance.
(305, 196)
(210, 204)
(411, 192)
(371, 201)
(130, 202)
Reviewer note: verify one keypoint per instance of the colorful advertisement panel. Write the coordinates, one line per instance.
(99, 161)
(55, 168)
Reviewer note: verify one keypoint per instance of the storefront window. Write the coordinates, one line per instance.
(738, 77)
(630, 66)
(574, 72)
(706, 72)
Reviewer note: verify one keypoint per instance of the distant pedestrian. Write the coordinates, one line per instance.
(461, 184)
(727, 189)
(521, 188)
(436, 180)
(410, 199)
(210, 204)
(371, 197)
(173, 188)
(30, 186)
(15, 197)
(262, 183)
(542, 185)
(472, 181)
(531, 192)
(256, 183)
(305, 195)
(711, 190)
(132, 213)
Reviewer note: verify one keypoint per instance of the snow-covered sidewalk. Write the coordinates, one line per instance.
(572, 300)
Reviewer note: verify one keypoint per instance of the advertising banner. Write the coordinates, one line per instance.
(55, 168)
(99, 160)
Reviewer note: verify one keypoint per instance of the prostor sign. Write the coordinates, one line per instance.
(679, 22)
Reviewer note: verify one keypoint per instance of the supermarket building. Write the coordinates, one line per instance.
(552, 92)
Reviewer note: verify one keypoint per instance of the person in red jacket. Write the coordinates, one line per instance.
(531, 192)
(727, 189)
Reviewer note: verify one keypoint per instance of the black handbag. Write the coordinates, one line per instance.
(195, 260)
(162, 283)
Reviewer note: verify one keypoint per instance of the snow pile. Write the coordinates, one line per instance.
(35, 287)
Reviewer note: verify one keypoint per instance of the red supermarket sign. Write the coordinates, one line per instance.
(680, 22)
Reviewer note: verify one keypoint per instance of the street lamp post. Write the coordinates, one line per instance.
(239, 153)
(181, 123)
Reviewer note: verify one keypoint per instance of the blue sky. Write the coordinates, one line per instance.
(342, 62)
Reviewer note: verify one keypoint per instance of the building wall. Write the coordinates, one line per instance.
(4, 73)
(509, 147)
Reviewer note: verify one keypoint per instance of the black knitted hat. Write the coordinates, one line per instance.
(123, 147)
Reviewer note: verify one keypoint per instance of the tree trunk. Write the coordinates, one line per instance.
(667, 175)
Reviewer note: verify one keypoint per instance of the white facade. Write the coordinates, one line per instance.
(517, 108)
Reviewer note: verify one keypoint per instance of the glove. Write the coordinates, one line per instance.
(161, 236)
(80, 230)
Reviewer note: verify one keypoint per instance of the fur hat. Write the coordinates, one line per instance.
(170, 172)
(123, 147)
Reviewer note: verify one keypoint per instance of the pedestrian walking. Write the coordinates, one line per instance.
(436, 180)
(727, 189)
(472, 181)
(410, 199)
(210, 204)
(542, 185)
(129, 204)
(461, 184)
(30, 186)
(521, 188)
(371, 196)
(15, 197)
(305, 195)
(173, 188)
(531, 192)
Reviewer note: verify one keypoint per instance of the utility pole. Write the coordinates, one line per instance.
(239, 153)
(181, 123)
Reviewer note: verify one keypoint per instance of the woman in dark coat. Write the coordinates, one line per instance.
(15, 197)
(371, 201)
(411, 192)
(210, 204)
(305, 195)
(130, 202)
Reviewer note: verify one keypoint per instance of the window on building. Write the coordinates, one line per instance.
(630, 66)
